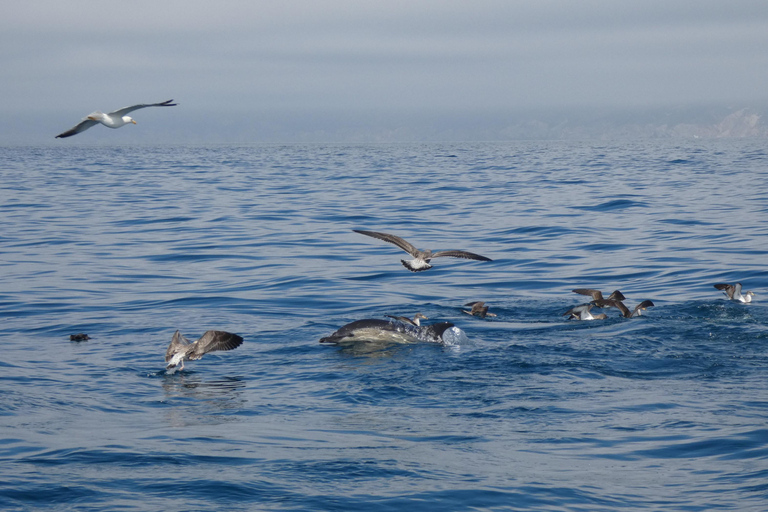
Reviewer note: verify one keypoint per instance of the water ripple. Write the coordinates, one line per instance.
(534, 412)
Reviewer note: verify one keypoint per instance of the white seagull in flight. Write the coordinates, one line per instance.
(114, 119)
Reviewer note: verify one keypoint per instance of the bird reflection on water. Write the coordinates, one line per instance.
(198, 401)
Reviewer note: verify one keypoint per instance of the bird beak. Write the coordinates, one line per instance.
(134, 122)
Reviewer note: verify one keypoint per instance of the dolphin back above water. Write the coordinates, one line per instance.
(387, 331)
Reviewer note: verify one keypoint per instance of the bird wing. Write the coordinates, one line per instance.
(460, 254)
(643, 305)
(410, 249)
(177, 342)
(617, 304)
(596, 294)
(578, 310)
(80, 127)
(122, 111)
(215, 340)
(403, 319)
(616, 295)
(728, 289)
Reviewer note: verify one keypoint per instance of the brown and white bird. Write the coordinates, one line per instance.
(181, 349)
(416, 319)
(597, 296)
(582, 312)
(625, 312)
(478, 309)
(421, 259)
(733, 292)
(114, 119)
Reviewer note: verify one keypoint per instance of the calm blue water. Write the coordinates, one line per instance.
(668, 411)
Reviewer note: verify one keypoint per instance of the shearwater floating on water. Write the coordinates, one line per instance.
(181, 349)
(733, 292)
(81, 336)
(416, 319)
(478, 309)
(582, 312)
(421, 258)
(114, 119)
(373, 330)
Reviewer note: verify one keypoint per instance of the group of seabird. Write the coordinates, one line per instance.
(405, 329)
(614, 300)
(181, 349)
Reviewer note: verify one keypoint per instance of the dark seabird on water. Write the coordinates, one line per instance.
(597, 296)
(181, 349)
(405, 319)
(626, 313)
(733, 292)
(114, 119)
(478, 309)
(582, 312)
(79, 337)
(421, 258)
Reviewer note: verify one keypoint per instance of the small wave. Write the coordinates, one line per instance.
(617, 204)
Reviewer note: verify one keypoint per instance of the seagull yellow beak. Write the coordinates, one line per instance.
(134, 122)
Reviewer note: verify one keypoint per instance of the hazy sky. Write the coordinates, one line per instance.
(246, 67)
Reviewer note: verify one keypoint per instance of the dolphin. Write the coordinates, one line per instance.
(387, 331)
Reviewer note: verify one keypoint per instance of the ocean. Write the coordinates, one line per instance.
(530, 411)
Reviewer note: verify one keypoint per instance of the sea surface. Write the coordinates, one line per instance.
(530, 411)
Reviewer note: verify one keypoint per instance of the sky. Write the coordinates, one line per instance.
(250, 71)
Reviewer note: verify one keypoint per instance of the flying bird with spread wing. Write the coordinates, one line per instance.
(421, 258)
(114, 119)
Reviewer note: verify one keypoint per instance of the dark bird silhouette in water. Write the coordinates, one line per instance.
(478, 309)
